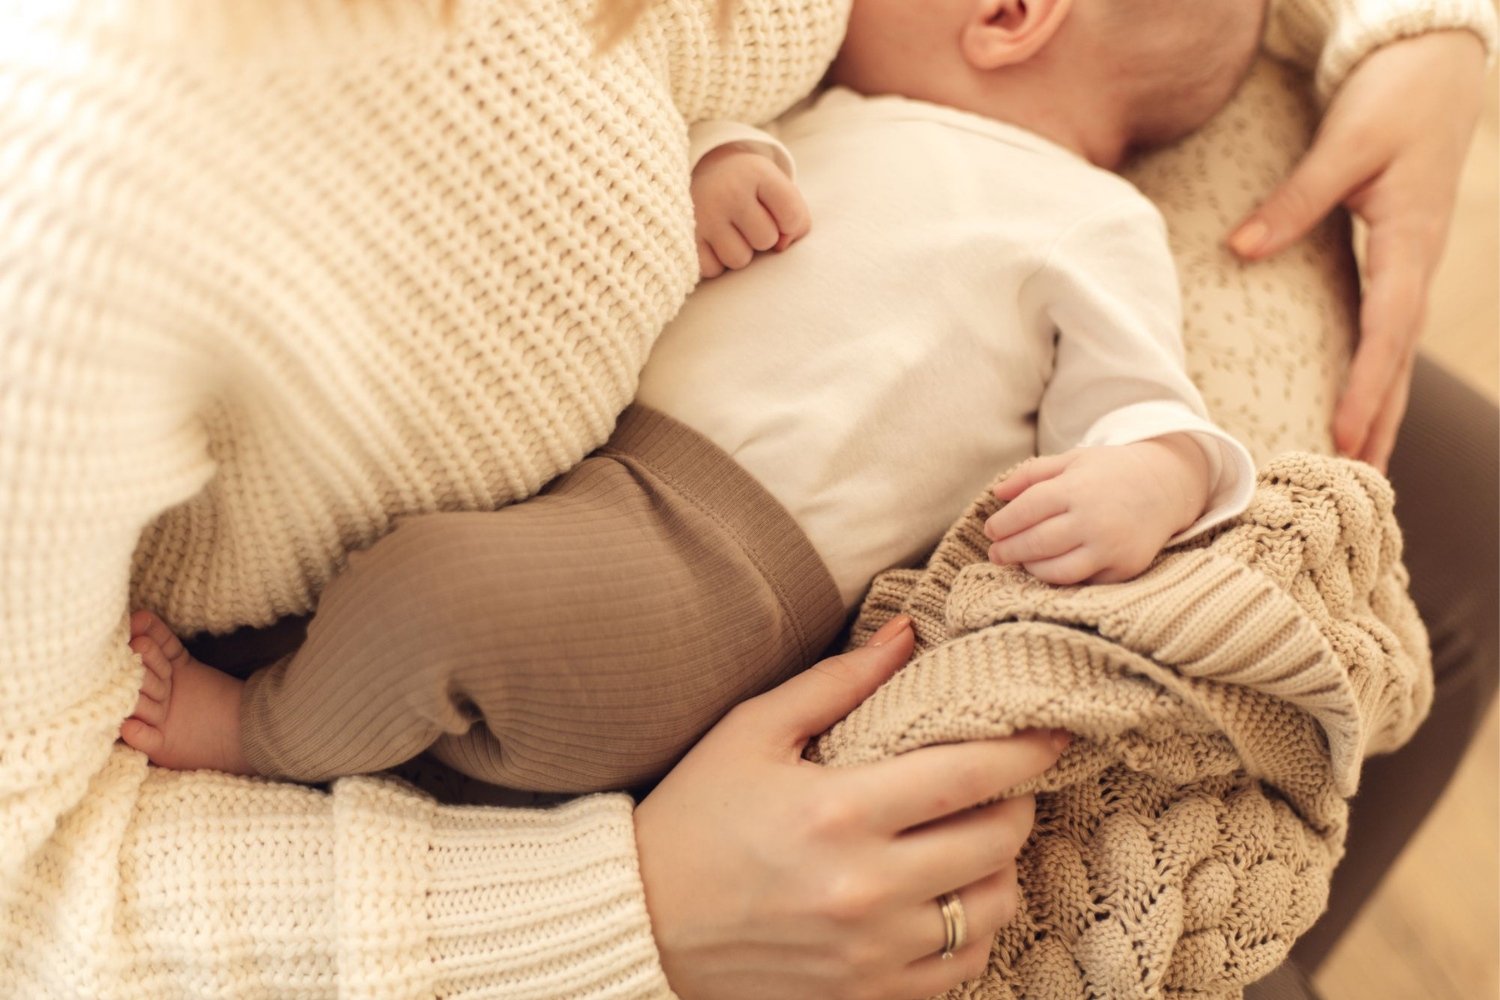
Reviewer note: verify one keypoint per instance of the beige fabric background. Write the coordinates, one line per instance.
(1248, 329)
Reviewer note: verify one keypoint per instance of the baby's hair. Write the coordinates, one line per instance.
(1181, 60)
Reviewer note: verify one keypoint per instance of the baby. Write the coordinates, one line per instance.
(975, 290)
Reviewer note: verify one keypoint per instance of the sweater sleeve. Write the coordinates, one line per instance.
(1329, 37)
(119, 880)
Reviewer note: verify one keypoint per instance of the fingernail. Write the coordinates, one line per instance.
(890, 630)
(1061, 739)
(1249, 238)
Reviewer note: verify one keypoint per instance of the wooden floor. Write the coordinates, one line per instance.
(1433, 931)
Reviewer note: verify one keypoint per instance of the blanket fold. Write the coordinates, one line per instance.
(1223, 703)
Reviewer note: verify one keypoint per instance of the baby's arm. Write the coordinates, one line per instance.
(1132, 462)
(744, 197)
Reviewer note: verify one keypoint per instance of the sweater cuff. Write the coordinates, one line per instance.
(1332, 36)
(520, 903)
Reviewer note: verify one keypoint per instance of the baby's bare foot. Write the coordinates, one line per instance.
(188, 715)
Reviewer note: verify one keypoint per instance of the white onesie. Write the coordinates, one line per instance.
(970, 294)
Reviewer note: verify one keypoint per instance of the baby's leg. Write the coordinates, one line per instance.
(578, 641)
(188, 714)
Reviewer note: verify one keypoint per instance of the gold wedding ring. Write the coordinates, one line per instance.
(955, 924)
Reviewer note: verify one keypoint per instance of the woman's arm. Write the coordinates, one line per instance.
(1390, 148)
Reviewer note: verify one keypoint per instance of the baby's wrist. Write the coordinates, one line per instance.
(1188, 474)
(731, 151)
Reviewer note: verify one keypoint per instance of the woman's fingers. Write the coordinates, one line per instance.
(1382, 438)
(1391, 148)
(964, 848)
(1322, 179)
(929, 783)
(1399, 255)
(806, 705)
(988, 906)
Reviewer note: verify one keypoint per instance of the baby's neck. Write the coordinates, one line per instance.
(1057, 112)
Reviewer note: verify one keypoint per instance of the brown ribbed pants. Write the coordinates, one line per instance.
(581, 640)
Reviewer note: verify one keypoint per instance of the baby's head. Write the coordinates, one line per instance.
(1103, 77)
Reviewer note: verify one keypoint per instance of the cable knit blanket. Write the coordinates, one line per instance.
(1223, 703)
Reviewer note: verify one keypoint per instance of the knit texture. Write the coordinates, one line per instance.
(272, 276)
(1223, 702)
(1332, 36)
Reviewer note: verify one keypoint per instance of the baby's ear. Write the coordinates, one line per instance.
(1003, 33)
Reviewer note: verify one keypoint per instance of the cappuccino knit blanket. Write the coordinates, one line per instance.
(1222, 701)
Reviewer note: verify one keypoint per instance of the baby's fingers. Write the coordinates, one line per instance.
(708, 263)
(1053, 537)
(1031, 472)
(757, 226)
(789, 209)
(730, 247)
(1026, 511)
(1071, 567)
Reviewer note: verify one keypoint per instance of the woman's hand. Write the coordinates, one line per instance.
(1391, 148)
(769, 876)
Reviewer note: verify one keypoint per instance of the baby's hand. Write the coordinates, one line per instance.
(1098, 515)
(743, 202)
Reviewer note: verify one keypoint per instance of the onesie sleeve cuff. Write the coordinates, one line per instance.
(705, 137)
(1231, 469)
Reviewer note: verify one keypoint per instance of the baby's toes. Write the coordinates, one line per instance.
(150, 710)
(147, 739)
(140, 622)
(158, 667)
(156, 630)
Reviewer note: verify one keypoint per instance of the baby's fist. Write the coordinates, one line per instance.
(743, 203)
(1100, 514)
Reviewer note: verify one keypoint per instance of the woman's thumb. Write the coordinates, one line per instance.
(1317, 184)
(827, 691)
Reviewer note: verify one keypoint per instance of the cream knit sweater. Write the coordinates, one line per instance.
(268, 282)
